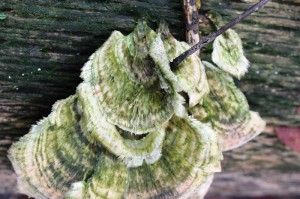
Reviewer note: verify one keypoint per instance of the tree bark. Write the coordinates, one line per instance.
(44, 43)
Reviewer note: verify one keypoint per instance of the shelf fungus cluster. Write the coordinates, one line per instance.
(135, 128)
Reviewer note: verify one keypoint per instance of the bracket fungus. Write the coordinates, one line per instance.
(227, 109)
(128, 132)
(228, 51)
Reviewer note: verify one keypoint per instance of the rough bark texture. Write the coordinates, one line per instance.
(44, 43)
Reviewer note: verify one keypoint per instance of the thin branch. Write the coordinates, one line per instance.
(213, 35)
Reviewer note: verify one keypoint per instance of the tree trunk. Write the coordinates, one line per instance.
(44, 43)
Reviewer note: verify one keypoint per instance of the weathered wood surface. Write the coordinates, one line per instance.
(262, 167)
(44, 43)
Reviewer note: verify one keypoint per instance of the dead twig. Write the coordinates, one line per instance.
(213, 35)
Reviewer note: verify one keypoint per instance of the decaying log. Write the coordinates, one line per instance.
(43, 45)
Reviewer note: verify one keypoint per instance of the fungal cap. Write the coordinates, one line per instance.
(132, 152)
(245, 133)
(191, 72)
(42, 158)
(227, 109)
(132, 105)
(190, 155)
(228, 54)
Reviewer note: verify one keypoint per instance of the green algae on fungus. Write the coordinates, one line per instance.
(193, 78)
(185, 164)
(228, 54)
(132, 152)
(54, 154)
(228, 51)
(124, 100)
(227, 109)
(126, 132)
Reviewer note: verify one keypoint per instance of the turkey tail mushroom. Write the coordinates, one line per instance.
(53, 154)
(190, 72)
(190, 155)
(126, 132)
(94, 123)
(122, 100)
(227, 109)
(228, 51)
